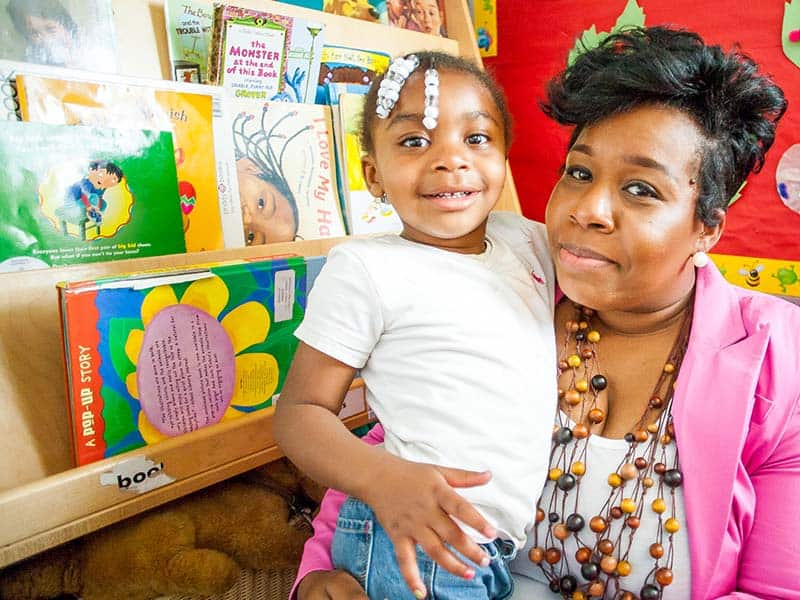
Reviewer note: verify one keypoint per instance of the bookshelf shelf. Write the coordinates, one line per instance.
(44, 500)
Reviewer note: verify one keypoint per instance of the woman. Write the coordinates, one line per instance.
(675, 469)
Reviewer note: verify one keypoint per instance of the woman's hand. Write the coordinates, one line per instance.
(414, 503)
(330, 585)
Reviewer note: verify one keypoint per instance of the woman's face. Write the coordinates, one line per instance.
(267, 214)
(621, 220)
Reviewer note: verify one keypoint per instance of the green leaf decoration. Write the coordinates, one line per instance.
(632, 16)
(737, 195)
(117, 415)
(791, 22)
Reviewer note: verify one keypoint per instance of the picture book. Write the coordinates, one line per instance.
(265, 56)
(66, 33)
(484, 18)
(285, 164)
(364, 213)
(426, 16)
(76, 194)
(188, 25)
(366, 10)
(188, 116)
(190, 111)
(151, 356)
(342, 64)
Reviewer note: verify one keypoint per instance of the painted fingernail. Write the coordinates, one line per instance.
(485, 561)
(419, 594)
(469, 574)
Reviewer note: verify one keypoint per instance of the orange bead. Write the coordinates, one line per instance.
(539, 515)
(581, 385)
(552, 555)
(669, 368)
(640, 435)
(659, 505)
(608, 564)
(672, 525)
(560, 532)
(664, 576)
(583, 555)
(580, 431)
(571, 326)
(596, 416)
(578, 595)
(648, 482)
(596, 588)
(624, 568)
(578, 468)
(583, 325)
(555, 473)
(572, 397)
(536, 555)
(633, 522)
(614, 480)
(627, 505)
(629, 471)
(587, 353)
(666, 439)
(597, 524)
(652, 427)
(656, 550)
(605, 546)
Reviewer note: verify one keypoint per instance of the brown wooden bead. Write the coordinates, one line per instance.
(656, 402)
(656, 550)
(587, 353)
(671, 429)
(652, 427)
(536, 555)
(640, 463)
(605, 546)
(596, 416)
(598, 524)
(580, 431)
(583, 325)
(571, 326)
(596, 588)
(633, 522)
(560, 532)
(629, 471)
(666, 439)
(640, 435)
(562, 365)
(648, 482)
(552, 555)
(664, 576)
(669, 368)
(660, 468)
(583, 555)
(560, 393)
(578, 595)
(616, 512)
(539, 515)
(572, 397)
(628, 596)
(608, 564)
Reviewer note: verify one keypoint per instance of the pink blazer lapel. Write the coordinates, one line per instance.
(712, 406)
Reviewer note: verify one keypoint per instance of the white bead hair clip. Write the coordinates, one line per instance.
(391, 84)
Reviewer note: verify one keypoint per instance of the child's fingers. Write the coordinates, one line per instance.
(459, 478)
(452, 534)
(434, 547)
(407, 562)
(462, 510)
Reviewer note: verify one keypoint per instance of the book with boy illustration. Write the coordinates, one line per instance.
(76, 194)
(188, 25)
(196, 114)
(263, 55)
(67, 33)
(286, 167)
(152, 355)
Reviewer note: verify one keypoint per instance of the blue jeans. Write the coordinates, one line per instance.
(362, 548)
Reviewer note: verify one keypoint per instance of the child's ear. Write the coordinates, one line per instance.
(371, 176)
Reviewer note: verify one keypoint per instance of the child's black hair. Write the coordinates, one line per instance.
(735, 107)
(441, 61)
(19, 10)
(110, 167)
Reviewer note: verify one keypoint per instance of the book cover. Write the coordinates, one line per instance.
(67, 33)
(225, 193)
(342, 64)
(484, 18)
(364, 213)
(285, 163)
(426, 16)
(151, 356)
(76, 194)
(373, 11)
(265, 56)
(188, 24)
(188, 116)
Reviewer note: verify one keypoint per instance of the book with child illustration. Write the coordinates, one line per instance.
(153, 355)
(263, 55)
(76, 194)
(426, 16)
(66, 33)
(188, 24)
(193, 113)
(287, 177)
(373, 11)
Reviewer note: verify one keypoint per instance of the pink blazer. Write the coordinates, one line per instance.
(737, 426)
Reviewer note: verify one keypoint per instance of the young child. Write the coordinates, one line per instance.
(84, 199)
(450, 323)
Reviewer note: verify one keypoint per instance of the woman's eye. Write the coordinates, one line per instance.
(415, 142)
(261, 203)
(578, 173)
(477, 138)
(637, 188)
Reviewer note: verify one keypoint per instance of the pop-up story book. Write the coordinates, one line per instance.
(76, 194)
(152, 355)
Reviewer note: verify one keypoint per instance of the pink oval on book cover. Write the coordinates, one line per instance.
(186, 370)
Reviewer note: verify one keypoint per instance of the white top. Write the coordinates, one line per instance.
(604, 456)
(457, 353)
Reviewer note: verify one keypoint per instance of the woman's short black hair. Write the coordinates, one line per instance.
(735, 107)
(442, 62)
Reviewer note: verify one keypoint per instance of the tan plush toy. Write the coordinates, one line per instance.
(193, 546)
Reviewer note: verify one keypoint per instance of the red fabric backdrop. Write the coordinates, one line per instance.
(534, 38)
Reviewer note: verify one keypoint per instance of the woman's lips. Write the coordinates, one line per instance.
(580, 257)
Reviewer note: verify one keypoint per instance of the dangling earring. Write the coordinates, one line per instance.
(700, 259)
(384, 199)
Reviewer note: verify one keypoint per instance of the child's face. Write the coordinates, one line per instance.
(426, 14)
(442, 182)
(267, 214)
(102, 179)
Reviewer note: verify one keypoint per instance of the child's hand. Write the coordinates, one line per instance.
(330, 585)
(414, 503)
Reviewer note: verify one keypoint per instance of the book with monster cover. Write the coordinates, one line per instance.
(76, 194)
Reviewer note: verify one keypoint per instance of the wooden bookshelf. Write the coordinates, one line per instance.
(44, 500)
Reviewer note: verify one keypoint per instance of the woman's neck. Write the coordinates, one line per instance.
(645, 322)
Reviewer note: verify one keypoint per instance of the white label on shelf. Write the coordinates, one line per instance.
(284, 295)
(137, 475)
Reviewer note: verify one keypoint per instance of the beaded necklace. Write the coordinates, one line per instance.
(604, 561)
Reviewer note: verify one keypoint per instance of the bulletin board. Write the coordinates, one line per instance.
(761, 245)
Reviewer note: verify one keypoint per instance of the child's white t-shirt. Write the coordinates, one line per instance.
(457, 353)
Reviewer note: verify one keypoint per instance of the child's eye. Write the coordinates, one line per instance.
(578, 173)
(261, 203)
(415, 142)
(478, 138)
(637, 188)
